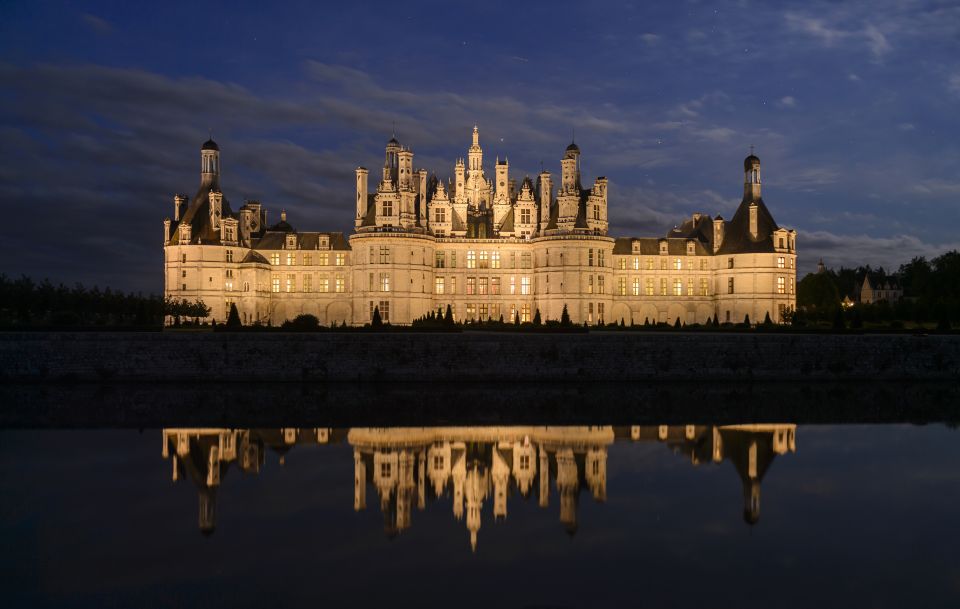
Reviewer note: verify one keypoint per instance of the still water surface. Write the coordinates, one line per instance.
(774, 515)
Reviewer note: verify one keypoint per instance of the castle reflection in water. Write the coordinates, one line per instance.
(474, 466)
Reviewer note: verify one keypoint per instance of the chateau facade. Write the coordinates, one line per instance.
(485, 245)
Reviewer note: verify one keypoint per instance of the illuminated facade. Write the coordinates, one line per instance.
(483, 244)
(476, 468)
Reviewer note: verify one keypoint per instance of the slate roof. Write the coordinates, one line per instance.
(736, 235)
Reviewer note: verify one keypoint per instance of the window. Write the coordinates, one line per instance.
(526, 261)
(792, 262)
(495, 285)
(513, 285)
(781, 242)
(471, 286)
(387, 208)
(690, 287)
(471, 310)
(677, 264)
(791, 285)
(524, 462)
(246, 286)
(484, 310)
(663, 264)
(307, 283)
(590, 284)
(589, 312)
(439, 260)
(471, 259)
(324, 285)
(484, 260)
(524, 312)
(596, 212)
(729, 285)
(600, 312)
(275, 259)
(275, 284)
(324, 258)
(525, 285)
(648, 287)
(183, 258)
(228, 285)
(385, 311)
(453, 285)
(513, 260)
(384, 282)
(781, 285)
(636, 263)
(453, 260)
(622, 286)
(229, 256)
(384, 254)
(677, 287)
(438, 285)
(183, 274)
(308, 259)
(524, 216)
(482, 286)
(440, 215)
(341, 258)
(663, 286)
(183, 286)
(622, 264)
(438, 462)
(704, 287)
(600, 288)
(729, 263)
(291, 283)
(291, 259)
(780, 262)
(649, 264)
(339, 284)
(590, 257)
(601, 258)
(495, 260)
(635, 286)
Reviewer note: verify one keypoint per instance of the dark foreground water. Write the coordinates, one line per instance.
(772, 514)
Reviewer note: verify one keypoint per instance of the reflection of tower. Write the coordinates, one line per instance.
(524, 465)
(596, 472)
(359, 482)
(438, 458)
(567, 486)
(752, 449)
(544, 478)
(476, 492)
(459, 479)
(405, 488)
(208, 510)
(501, 479)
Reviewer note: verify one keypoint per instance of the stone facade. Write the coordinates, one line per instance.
(482, 245)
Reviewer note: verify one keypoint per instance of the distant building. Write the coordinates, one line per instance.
(877, 288)
(481, 244)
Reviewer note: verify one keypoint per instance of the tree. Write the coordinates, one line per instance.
(233, 318)
(766, 319)
(818, 292)
(676, 324)
(375, 321)
(536, 318)
(838, 322)
(746, 320)
(303, 322)
(516, 319)
(448, 317)
(565, 317)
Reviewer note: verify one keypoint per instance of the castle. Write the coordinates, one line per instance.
(482, 245)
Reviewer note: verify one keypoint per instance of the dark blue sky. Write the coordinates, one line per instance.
(854, 109)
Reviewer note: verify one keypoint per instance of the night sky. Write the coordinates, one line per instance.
(854, 109)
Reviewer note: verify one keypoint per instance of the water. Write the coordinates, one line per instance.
(756, 513)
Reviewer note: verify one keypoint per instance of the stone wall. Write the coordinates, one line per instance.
(472, 357)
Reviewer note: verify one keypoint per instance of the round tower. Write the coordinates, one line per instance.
(209, 162)
(751, 177)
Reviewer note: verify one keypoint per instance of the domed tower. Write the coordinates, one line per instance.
(391, 163)
(751, 178)
(210, 163)
(571, 168)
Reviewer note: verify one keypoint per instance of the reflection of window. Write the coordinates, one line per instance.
(524, 462)
(438, 462)
(384, 470)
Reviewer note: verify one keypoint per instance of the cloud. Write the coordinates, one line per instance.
(97, 24)
(953, 83)
(787, 102)
(650, 39)
(856, 250)
(829, 36)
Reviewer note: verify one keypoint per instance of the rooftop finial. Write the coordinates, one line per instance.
(751, 149)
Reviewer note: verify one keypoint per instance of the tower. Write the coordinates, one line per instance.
(475, 154)
(361, 195)
(209, 163)
(751, 178)
(391, 161)
(570, 164)
(501, 200)
(545, 198)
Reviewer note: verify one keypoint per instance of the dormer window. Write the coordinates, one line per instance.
(324, 242)
(691, 248)
(291, 242)
(663, 248)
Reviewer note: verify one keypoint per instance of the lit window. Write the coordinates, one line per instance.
(324, 284)
(590, 284)
(600, 288)
(494, 285)
(324, 258)
(589, 312)
(525, 285)
(484, 260)
(704, 287)
(453, 285)
(308, 259)
(275, 259)
(689, 287)
(781, 285)
(601, 258)
(791, 285)
(600, 312)
(484, 310)
(384, 282)
(663, 264)
(471, 259)
(229, 255)
(622, 286)
(649, 264)
(622, 264)
(648, 287)
(495, 260)
(307, 283)
(482, 286)
(438, 285)
(341, 259)
(385, 311)
(525, 313)
(471, 286)
(439, 260)
(275, 284)
(677, 287)
(291, 283)
(636, 263)
(677, 264)
(291, 259)
(340, 284)
(513, 285)
(471, 310)
(663, 287)
(636, 286)
(781, 263)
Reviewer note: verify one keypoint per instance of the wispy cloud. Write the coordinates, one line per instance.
(866, 35)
